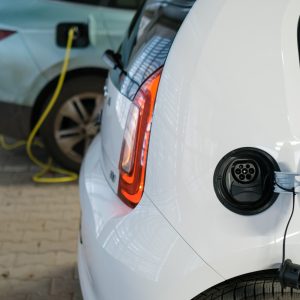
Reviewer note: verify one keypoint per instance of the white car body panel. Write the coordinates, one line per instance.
(232, 79)
(19, 76)
(236, 84)
(131, 254)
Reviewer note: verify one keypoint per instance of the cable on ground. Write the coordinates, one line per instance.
(65, 175)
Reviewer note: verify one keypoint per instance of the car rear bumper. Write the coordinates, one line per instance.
(14, 120)
(131, 253)
(85, 278)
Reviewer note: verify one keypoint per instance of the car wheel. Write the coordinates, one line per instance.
(257, 286)
(72, 123)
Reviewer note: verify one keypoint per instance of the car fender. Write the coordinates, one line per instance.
(231, 80)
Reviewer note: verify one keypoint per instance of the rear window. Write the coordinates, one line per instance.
(148, 41)
(127, 4)
(130, 4)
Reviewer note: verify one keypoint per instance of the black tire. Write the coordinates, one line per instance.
(76, 97)
(253, 286)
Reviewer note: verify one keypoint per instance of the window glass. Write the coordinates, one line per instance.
(88, 2)
(148, 41)
(130, 4)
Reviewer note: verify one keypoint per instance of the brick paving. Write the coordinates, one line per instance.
(38, 234)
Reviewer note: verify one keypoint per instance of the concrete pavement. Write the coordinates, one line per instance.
(38, 234)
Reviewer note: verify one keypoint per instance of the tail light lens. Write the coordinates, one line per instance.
(5, 33)
(134, 151)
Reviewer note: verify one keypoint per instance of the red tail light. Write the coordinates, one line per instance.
(5, 33)
(134, 151)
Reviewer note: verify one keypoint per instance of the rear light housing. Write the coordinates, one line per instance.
(133, 159)
(5, 33)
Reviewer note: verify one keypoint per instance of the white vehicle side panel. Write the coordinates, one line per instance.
(232, 80)
(16, 78)
(132, 254)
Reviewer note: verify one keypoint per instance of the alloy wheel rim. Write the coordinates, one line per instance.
(76, 124)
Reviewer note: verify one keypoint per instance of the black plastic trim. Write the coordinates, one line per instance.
(298, 38)
(81, 36)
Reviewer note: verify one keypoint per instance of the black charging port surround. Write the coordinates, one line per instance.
(81, 35)
(244, 181)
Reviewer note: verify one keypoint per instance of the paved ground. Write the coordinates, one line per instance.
(38, 233)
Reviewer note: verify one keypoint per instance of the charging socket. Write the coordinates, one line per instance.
(81, 35)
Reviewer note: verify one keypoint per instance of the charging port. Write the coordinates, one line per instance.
(81, 35)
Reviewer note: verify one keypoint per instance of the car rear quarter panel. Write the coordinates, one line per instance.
(132, 253)
(231, 80)
(18, 70)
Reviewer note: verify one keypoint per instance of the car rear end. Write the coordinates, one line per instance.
(231, 82)
(127, 249)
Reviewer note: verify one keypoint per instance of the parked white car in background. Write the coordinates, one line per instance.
(193, 213)
(33, 36)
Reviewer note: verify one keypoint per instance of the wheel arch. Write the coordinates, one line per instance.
(50, 86)
(257, 275)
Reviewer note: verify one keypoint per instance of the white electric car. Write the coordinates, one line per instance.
(33, 35)
(191, 198)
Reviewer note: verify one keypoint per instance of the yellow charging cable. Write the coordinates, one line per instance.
(8, 147)
(12, 146)
(67, 176)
